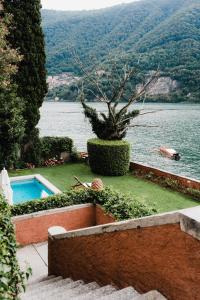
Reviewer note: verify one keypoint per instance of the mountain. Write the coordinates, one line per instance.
(162, 34)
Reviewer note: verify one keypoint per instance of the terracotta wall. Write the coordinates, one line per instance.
(161, 258)
(183, 181)
(102, 217)
(34, 228)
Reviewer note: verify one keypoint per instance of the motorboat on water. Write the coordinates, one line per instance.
(170, 153)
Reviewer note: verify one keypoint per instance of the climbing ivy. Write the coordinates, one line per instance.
(12, 280)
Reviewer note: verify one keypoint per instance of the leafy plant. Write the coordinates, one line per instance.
(12, 280)
(122, 206)
(75, 155)
(114, 124)
(11, 121)
(40, 150)
(169, 183)
(26, 35)
(53, 146)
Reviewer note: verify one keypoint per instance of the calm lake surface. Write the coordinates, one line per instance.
(177, 126)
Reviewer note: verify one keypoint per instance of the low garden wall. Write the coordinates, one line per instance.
(33, 228)
(102, 217)
(182, 181)
(152, 253)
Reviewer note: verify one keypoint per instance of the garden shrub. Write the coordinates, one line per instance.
(110, 158)
(11, 278)
(121, 206)
(194, 193)
(31, 151)
(53, 146)
(75, 155)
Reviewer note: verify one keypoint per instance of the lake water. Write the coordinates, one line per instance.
(177, 126)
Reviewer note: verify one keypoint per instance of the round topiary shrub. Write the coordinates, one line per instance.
(110, 158)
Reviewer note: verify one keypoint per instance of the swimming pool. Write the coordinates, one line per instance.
(29, 188)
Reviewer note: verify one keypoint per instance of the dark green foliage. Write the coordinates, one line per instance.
(51, 147)
(31, 151)
(194, 193)
(120, 205)
(26, 35)
(75, 156)
(112, 86)
(110, 158)
(40, 149)
(106, 128)
(11, 121)
(64, 92)
(11, 127)
(11, 278)
(164, 33)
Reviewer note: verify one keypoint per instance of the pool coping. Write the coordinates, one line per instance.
(41, 179)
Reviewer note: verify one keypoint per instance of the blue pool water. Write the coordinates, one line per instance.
(27, 190)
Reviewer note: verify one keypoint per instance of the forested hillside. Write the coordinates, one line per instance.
(155, 33)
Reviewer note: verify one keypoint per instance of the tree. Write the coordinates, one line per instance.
(27, 36)
(114, 124)
(11, 121)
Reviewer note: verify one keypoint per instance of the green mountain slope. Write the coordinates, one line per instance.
(158, 33)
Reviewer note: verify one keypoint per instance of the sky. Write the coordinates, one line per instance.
(80, 4)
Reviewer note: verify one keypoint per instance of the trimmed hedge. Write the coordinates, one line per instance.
(110, 158)
(121, 206)
(41, 149)
(11, 278)
(53, 146)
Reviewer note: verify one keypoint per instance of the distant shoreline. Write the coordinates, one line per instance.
(149, 102)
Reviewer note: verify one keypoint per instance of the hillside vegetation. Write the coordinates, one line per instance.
(164, 34)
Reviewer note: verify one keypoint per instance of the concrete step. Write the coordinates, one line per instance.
(53, 288)
(43, 282)
(125, 294)
(59, 291)
(64, 294)
(45, 289)
(103, 291)
(153, 295)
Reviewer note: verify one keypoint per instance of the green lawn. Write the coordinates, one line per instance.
(163, 199)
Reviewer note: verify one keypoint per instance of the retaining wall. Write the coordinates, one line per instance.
(182, 181)
(152, 253)
(33, 228)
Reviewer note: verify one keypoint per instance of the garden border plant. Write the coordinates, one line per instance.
(12, 280)
(169, 183)
(121, 206)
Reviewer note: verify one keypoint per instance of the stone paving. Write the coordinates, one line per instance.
(35, 256)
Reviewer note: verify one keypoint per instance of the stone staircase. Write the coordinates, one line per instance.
(52, 287)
